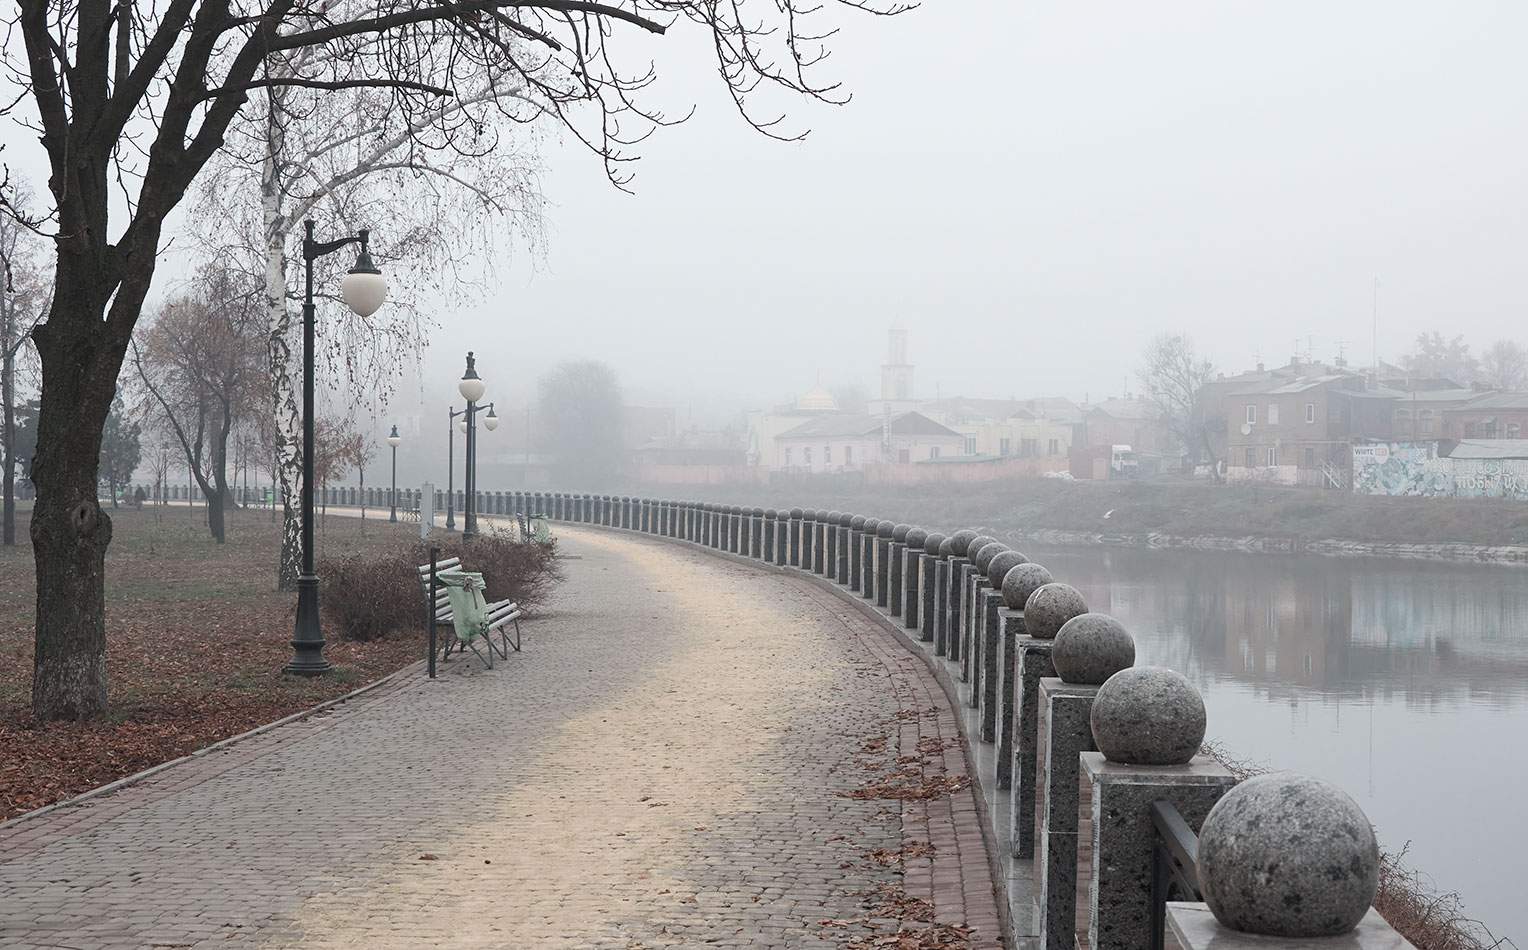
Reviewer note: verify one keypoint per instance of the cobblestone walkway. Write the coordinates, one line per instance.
(689, 753)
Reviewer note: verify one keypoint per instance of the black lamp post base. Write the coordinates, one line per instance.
(308, 640)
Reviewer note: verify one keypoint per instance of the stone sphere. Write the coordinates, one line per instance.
(770, 514)
(932, 542)
(1049, 607)
(962, 540)
(809, 514)
(846, 520)
(947, 547)
(899, 532)
(983, 559)
(1287, 855)
(857, 522)
(1021, 581)
(976, 544)
(797, 513)
(737, 509)
(885, 529)
(873, 527)
(832, 517)
(915, 539)
(757, 511)
(1148, 715)
(1001, 564)
(626, 498)
(1090, 648)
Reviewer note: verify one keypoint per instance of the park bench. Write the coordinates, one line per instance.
(500, 615)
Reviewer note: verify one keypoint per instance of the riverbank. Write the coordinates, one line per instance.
(1172, 513)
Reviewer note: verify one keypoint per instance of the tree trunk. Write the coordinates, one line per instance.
(286, 418)
(70, 532)
(8, 424)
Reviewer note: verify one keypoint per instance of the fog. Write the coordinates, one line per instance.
(1034, 190)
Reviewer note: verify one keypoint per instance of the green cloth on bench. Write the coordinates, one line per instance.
(469, 609)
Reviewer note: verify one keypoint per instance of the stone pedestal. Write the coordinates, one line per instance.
(1010, 630)
(1119, 917)
(882, 572)
(1066, 734)
(954, 647)
(970, 651)
(843, 555)
(1197, 929)
(829, 550)
(930, 574)
(910, 602)
(942, 607)
(856, 553)
(1032, 663)
(984, 696)
(819, 547)
(867, 566)
(896, 571)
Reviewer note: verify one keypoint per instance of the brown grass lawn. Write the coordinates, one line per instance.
(196, 636)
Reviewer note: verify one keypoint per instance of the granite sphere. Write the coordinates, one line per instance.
(797, 513)
(975, 545)
(1148, 715)
(809, 515)
(857, 522)
(1021, 581)
(947, 547)
(872, 527)
(1287, 855)
(737, 509)
(1090, 648)
(984, 556)
(915, 539)
(770, 514)
(932, 542)
(1001, 564)
(757, 511)
(962, 540)
(899, 532)
(846, 520)
(832, 517)
(1049, 607)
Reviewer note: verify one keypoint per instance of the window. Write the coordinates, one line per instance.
(1273, 413)
(933, 452)
(1003, 446)
(1251, 415)
(1273, 456)
(1029, 447)
(1513, 430)
(1310, 458)
(827, 456)
(1425, 422)
(1310, 413)
(1055, 446)
(787, 458)
(904, 456)
(1403, 421)
(806, 454)
(848, 455)
(1251, 457)
(970, 446)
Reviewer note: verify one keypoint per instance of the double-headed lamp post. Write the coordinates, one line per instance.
(363, 290)
(471, 386)
(393, 439)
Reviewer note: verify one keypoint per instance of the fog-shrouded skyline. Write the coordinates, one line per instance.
(1034, 191)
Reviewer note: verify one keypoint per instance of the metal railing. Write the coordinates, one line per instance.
(1175, 864)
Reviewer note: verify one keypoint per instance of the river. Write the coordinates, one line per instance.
(1404, 683)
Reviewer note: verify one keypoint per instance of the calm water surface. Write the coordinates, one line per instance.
(1404, 683)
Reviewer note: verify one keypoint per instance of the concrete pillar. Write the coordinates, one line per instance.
(796, 518)
(782, 537)
(770, 534)
(845, 535)
(883, 532)
(1032, 663)
(829, 550)
(862, 578)
(897, 568)
(912, 572)
(1119, 894)
(930, 564)
(1067, 733)
(955, 645)
(735, 535)
(984, 696)
(756, 533)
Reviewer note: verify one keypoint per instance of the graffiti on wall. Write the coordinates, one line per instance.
(1415, 468)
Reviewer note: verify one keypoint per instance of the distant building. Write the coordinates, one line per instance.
(849, 441)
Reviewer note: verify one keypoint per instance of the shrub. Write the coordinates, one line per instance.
(522, 571)
(366, 596)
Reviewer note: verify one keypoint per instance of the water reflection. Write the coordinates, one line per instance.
(1399, 681)
(1431, 632)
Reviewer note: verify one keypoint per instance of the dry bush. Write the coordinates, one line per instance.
(367, 597)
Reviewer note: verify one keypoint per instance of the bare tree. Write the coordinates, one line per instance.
(1438, 358)
(579, 413)
(1504, 366)
(1173, 375)
(23, 301)
(132, 99)
(200, 361)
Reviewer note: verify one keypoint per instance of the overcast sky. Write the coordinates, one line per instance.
(1035, 190)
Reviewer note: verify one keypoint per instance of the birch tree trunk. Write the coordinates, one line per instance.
(286, 420)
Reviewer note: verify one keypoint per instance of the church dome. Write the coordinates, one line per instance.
(817, 399)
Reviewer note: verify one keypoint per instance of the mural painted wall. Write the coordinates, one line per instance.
(1415, 468)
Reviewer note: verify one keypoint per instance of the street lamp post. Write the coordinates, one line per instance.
(471, 387)
(393, 439)
(363, 290)
(451, 464)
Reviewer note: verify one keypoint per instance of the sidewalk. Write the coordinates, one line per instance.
(688, 753)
